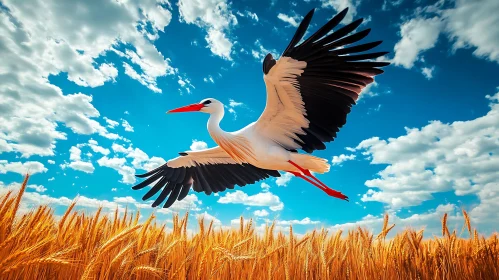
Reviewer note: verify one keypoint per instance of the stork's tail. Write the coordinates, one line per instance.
(312, 163)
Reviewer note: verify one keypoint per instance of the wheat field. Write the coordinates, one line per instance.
(36, 245)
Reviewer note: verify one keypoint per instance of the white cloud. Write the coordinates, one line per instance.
(38, 188)
(429, 221)
(207, 217)
(96, 148)
(248, 14)
(216, 17)
(76, 162)
(338, 160)
(51, 179)
(461, 157)
(79, 165)
(466, 25)
(304, 221)
(140, 160)
(118, 164)
(219, 44)
(260, 52)
(65, 39)
(198, 145)
(428, 72)
(472, 24)
(293, 21)
(111, 123)
(388, 4)
(126, 125)
(418, 35)
(74, 153)
(50, 161)
(261, 213)
(369, 91)
(261, 199)
(265, 186)
(284, 179)
(232, 105)
(340, 5)
(31, 167)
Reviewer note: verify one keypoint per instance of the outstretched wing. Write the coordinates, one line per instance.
(312, 87)
(210, 170)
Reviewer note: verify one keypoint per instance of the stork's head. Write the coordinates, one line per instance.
(208, 105)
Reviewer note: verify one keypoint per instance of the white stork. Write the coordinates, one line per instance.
(310, 91)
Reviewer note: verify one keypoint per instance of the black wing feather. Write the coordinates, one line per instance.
(208, 178)
(333, 78)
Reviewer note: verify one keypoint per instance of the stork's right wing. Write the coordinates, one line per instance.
(209, 170)
(312, 87)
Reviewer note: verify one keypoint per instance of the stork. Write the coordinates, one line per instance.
(310, 90)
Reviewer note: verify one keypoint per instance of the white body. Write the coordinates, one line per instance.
(267, 154)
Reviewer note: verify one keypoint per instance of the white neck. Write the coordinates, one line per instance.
(214, 123)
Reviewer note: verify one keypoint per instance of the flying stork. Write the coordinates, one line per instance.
(310, 90)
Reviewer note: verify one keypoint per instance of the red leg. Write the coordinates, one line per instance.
(324, 188)
(308, 173)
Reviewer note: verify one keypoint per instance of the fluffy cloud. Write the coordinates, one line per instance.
(261, 213)
(304, 221)
(207, 217)
(248, 14)
(338, 160)
(471, 24)
(126, 125)
(284, 179)
(232, 107)
(198, 145)
(118, 164)
(64, 39)
(77, 163)
(428, 72)
(38, 188)
(461, 157)
(216, 17)
(267, 199)
(429, 221)
(219, 44)
(418, 35)
(110, 123)
(96, 148)
(466, 25)
(293, 21)
(260, 52)
(31, 167)
(139, 160)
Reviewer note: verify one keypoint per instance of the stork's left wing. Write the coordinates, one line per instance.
(312, 87)
(209, 170)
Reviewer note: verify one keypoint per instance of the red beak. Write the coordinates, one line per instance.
(188, 108)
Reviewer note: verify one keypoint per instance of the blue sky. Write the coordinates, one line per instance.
(85, 86)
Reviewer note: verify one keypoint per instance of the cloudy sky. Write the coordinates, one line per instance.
(85, 84)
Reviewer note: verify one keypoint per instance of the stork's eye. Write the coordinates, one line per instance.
(207, 102)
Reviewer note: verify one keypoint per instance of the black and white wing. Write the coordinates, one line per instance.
(209, 170)
(312, 87)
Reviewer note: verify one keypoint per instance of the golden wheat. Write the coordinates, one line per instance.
(80, 246)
